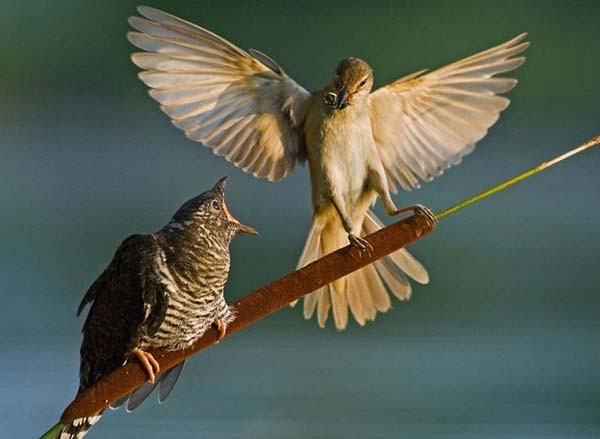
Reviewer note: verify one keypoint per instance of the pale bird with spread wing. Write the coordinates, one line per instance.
(359, 144)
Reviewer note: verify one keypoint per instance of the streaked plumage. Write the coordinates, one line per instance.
(164, 290)
(359, 145)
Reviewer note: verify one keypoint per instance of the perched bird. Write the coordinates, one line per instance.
(163, 290)
(359, 145)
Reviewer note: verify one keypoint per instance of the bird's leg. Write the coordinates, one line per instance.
(221, 329)
(149, 363)
(418, 209)
(360, 243)
(355, 240)
(380, 185)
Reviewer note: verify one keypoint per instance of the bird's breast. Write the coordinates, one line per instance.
(198, 280)
(338, 143)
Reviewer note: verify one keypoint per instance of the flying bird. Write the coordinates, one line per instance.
(359, 145)
(161, 290)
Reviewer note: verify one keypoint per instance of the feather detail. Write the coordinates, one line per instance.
(423, 124)
(209, 86)
(363, 292)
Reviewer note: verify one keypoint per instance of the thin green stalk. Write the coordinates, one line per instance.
(53, 432)
(480, 196)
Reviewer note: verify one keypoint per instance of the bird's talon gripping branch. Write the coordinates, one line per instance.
(221, 329)
(360, 243)
(426, 211)
(417, 209)
(149, 363)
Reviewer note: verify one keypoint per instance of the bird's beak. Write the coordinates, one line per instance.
(247, 229)
(220, 186)
(242, 228)
(342, 99)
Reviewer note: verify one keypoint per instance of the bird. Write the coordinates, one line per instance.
(161, 290)
(360, 144)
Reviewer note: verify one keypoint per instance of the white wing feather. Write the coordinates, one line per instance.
(424, 124)
(245, 108)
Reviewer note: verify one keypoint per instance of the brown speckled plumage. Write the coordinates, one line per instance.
(160, 290)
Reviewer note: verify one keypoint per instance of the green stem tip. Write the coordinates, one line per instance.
(54, 431)
(480, 196)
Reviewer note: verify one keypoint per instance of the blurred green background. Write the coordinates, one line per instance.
(502, 343)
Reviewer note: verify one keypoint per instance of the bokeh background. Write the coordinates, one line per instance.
(504, 341)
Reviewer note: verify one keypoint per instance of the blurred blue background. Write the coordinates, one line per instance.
(503, 343)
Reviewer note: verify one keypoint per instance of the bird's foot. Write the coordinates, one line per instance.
(360, 243)
(221, 329)
(418, 209)
(149, 363)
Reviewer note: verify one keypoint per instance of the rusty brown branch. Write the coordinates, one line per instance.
(254, 306)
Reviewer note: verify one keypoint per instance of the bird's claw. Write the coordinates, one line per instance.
(418, 209)
(360, 243)
(149, 363)
(221, 329)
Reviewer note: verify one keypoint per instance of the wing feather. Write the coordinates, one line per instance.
(242, 105)
(425, 123)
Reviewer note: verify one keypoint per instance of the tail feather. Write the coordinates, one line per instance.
(409, 265)
(323, 305)
(374, 284)
(312, 248)
(311, 252)
(402, 258)
(79, 427)
(394, 278)
(139, 395)
(165, 383)
(310, 302)
(339, 303)
(363, 292)
(168, 381)
(359, 302)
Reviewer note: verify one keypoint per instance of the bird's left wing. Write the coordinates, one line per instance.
(240, 104)
(424, 124)
(128, 300)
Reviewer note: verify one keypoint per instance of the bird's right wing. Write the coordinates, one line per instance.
(423, 124)
(240, 104)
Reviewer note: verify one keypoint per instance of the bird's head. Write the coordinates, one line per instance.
(352, 78)
(207, 215)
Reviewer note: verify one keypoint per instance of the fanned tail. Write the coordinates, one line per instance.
(363, 292)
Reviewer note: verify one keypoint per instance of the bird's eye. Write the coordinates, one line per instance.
(363, 83)
(215, 205)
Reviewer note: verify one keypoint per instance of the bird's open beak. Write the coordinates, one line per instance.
(241, 227)
(220, 186)
(342, 99)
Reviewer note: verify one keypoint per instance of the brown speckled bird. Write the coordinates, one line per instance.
(164, 290)
(360, 145)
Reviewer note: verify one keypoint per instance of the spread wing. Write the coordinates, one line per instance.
(424, 124)
(240, 104)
